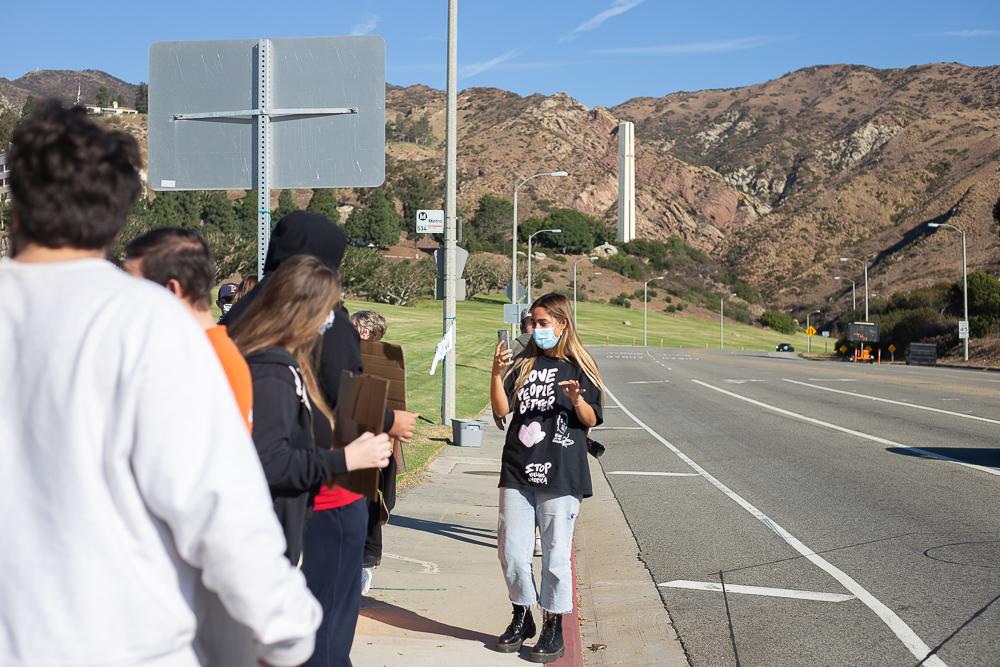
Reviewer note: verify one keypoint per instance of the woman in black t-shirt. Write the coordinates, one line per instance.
(554, 392)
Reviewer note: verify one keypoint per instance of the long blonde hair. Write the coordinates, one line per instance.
(569, 346)
(293, 304)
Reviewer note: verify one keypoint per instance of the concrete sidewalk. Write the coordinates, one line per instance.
(439, 598)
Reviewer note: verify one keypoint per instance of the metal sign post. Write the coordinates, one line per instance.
(268, 113)
(263, 153)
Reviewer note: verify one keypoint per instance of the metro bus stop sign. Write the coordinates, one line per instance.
(268, 113)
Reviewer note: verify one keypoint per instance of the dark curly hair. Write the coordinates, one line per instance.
(169, 253)
(73, 182)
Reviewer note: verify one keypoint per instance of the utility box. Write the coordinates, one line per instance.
(921, 354)
(467, 432)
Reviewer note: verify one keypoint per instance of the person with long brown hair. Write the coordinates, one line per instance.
(554, 393)
(279, 335)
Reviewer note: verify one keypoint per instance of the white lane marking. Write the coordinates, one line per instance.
(758, 590)
(654, 474)
(429, 567)
(734, 381)
(831, 380)
(650, 382)
(889, 400)
(951, 399)
(843, 429)
(903, 632)
(616, 428)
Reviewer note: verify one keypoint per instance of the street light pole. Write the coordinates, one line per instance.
(451, 154)
(865, 266)
(854, 300)
(965, 279)
(514, 298)
(594, 258)
(722, 321)
(554, 231)
(645, 306)
(809, 339)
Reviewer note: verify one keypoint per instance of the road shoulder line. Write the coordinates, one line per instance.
(897, 625)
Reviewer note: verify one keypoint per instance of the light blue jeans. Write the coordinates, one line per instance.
(555, 515)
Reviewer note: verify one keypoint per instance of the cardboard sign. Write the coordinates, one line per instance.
(360, 408)
(386, 361)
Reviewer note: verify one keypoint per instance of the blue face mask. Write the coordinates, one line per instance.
(545, 339)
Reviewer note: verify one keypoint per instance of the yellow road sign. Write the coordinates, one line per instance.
(843, 349)
(811, 331)
(891, 348)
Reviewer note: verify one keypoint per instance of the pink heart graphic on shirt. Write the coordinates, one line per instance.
(530, 434)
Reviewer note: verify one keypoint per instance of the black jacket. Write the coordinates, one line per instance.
(283, 435)
(304, 233)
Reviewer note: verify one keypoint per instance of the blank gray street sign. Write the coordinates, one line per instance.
(270, 113)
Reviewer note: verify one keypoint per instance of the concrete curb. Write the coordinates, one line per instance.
(620, 606)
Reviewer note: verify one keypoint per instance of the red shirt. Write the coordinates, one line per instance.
(332, 498)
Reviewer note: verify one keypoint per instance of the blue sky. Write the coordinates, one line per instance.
(600, 51)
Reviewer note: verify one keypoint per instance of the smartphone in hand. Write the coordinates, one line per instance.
(502, 337)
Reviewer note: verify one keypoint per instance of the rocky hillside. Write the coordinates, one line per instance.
(63, 85)
(778, 179)
(849, 160)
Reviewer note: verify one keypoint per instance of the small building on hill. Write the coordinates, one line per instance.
(113, 110)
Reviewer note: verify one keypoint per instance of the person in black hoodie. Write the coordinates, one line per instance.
(305, 233)
(279, 335)
(335, 540)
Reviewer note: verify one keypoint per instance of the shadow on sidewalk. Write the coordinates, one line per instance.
(452, 530)
(404, 619)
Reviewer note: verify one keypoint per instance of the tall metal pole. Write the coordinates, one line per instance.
(866, 292)
(451, 154)
(529, 267)
(263, 152)
(722, 323)
(854, 298)
(965, 291)
(574, 291)
(865, 265)
(808, 337)
(514, 296)
(645, 312)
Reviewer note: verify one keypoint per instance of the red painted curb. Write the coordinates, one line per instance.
(572, 639)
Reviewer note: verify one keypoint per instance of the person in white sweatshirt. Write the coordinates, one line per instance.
(126, 471)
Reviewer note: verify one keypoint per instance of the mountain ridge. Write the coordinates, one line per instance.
(779, 178)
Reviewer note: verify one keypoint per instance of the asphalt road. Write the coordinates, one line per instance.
(878, 520)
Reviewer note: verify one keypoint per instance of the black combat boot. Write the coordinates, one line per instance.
(521, 628)
(549, 646)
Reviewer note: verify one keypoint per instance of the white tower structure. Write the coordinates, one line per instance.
(626, 181)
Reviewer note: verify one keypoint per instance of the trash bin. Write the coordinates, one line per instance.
(467, 432)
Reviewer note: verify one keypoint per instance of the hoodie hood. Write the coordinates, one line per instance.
(305, 233)
(272, 355)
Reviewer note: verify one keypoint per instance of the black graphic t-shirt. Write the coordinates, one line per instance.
(546, 447)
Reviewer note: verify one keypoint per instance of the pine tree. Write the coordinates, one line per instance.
(324, 202)
(29, 107)
(285, 206)
(103, 97)
(142, 98)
